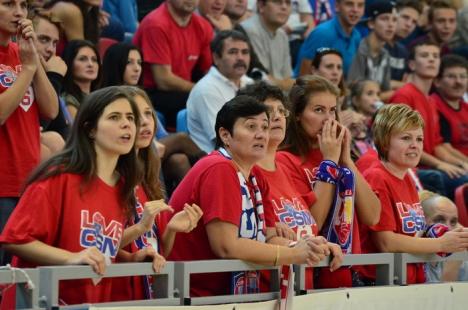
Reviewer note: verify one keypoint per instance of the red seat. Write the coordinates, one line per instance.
(461, 194)
(104, 44)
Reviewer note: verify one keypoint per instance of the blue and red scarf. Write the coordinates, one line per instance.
(338, 227)
(251, 226)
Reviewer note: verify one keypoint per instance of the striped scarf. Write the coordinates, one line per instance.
(251, 226)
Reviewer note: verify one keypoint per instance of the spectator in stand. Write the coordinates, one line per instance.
(122, 66)
(235, 10)
(424, 61)
(451, 85)
(175, 44)
(270, 41)
(317, 144)
(408, 12)
(53, 131)
(83, 75)
(441, 211)
(83, 196)
(290, 207)
(25, 95)
(159, 241)
(442, 18)
(213, 11)
(338, 33)
(236, 204)
(231, 58)
(398, 136)
(372, 60)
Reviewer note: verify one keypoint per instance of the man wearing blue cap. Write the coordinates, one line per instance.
(372, 60)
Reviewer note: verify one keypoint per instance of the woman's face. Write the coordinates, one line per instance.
(320, 107)
(147, 124)
(278, 114)
(445, 212)
(405, 148)
(115, 132)
(85, 65)
(331, 68)
(249, 139)
(11, 12)
(132, 71)
(367, 103)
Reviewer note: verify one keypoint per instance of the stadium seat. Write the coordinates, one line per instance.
(181, 123)
(104, 44)
(460, 200)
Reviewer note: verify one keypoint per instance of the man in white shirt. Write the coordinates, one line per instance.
(231, 58)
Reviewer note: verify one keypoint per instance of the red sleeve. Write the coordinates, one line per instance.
(398, 97)
(387, 216)
(220, 195)
(155, 46)
(35, 217)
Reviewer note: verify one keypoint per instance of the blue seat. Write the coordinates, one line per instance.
(181, 122)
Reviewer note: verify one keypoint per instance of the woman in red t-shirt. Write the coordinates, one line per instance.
(76, 204)
(158, 241)
(398, 137)
(291, 208)
(317, 156)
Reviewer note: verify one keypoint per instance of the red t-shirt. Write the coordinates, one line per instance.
(19, 135)
(401, 213)
(458, 121)
(132, 288)
(425, 105)
(302, 174)
(54, 212)
(292, 208)
(213, 184)
(163, 42)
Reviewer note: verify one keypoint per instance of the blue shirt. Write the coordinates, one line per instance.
(330, 34)
(125, 11)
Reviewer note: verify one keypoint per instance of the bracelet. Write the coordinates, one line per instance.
(277, 255)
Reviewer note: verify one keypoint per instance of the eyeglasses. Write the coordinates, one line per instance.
(282, 111)
(280, 2)
(455, 76)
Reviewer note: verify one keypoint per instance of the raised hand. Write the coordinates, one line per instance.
(455, 240)
(90, 256)
(330, 142)
(151, 209)
(345, 156)
(27, 51)
(185, 220)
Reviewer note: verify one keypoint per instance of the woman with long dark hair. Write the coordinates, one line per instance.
(83, 75)
(84, 196)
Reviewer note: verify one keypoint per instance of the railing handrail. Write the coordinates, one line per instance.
(176, 275)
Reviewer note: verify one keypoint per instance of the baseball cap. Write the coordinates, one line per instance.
(380, 7)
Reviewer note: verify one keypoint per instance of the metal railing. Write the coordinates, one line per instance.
(172, 285)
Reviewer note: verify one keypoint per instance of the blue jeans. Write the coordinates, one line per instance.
(7, 205)
(439, 182)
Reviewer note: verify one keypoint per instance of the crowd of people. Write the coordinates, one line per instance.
(314, 129)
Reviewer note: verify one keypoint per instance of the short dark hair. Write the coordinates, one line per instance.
(239, 106)
(414, 4)
(263, 91)
(417, 44)
(438, 4)
(217, 45)
(452, 61)
(321, 52)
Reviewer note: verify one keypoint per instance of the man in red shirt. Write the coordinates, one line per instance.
(175, 44)
(451, 85)
(424, 61)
